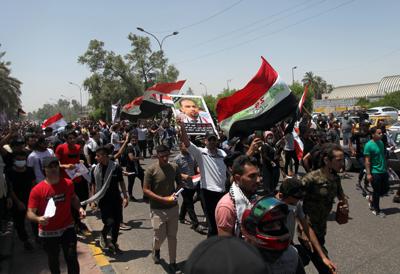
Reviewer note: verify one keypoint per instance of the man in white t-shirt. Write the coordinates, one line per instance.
(210, 161)
(36, 157)
(115, 138)
(142, 142)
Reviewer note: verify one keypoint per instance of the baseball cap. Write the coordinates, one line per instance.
(16, 142)
(210, 134)
(228, 255)
(292, 187)
(49, 160)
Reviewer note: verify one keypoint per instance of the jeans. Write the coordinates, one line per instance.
(346, 138)
(380, 186)
(188, 206)
(210, 200)
(67, 241)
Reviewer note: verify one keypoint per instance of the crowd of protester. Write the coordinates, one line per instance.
(248, 188)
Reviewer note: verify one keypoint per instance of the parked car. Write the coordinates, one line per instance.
(393, 157)
(384, 111)
(395, 126)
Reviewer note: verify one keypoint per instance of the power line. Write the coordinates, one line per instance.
(256, 22)
(216, 14)
(268, 34)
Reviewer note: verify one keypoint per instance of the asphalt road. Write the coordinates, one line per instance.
(367, 244)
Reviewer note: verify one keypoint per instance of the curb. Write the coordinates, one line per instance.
(101, 260)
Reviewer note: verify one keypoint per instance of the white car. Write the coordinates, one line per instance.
(384, 111)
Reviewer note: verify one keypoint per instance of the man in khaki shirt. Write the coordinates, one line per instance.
(159, 186)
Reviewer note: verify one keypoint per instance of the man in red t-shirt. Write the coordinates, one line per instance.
(58, 229)
(69, 155)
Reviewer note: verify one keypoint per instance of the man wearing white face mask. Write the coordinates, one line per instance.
(20, 179)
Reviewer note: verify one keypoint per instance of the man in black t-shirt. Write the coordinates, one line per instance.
(20, 179)
(133, 165)
(360, 139)
(108, 180)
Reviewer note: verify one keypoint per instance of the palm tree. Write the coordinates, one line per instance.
(318, 85)
(9, 90)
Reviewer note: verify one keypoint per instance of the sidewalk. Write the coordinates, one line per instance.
(22, 261)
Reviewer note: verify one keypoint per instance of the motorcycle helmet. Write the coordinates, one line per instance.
(265, 224)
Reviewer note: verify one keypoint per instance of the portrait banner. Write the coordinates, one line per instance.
(193, 111)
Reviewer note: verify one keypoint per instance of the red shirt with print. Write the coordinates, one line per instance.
(62, 194)
(68, 155)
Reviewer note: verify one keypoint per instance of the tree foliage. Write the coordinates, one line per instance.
(10, 91)
(316, 84)
(390, 99)
(115, 77)
(70, 110)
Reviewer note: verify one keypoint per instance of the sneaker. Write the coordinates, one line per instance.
(28, 246)
(199, 229)
(156, 256)
(111, 247)
(173, 267)
(117, 249)
(379, 214)
(103, 242)
(123, 226)
(182, 221)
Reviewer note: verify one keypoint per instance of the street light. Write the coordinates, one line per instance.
(205, 87)
(227, 83)
(80, 92)
(293, 68)
(155, 37)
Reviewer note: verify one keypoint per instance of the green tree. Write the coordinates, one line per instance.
(70, 110)
(115, 77)
(211, 100)
(363, 102)
(317, 84)
(10, 91)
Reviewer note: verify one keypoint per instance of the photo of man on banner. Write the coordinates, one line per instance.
(193, 111)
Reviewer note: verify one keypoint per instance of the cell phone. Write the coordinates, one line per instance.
(259, 134)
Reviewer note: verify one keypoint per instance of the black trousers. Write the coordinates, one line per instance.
(314, 256)
(19, 224)
(291, 154)
(82, 191)
(131, 181)
(111, 215)
(210, 200)
(150, 146)
(380, 186)
(67, 241)
(143, 146)
(188, 206)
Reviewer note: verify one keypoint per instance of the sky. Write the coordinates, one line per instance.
(219, 42)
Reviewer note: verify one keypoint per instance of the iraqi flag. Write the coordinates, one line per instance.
(263, 102)
(165, 88)
(142, 107)
(55, 122)
(298, 145)
(303, 99)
